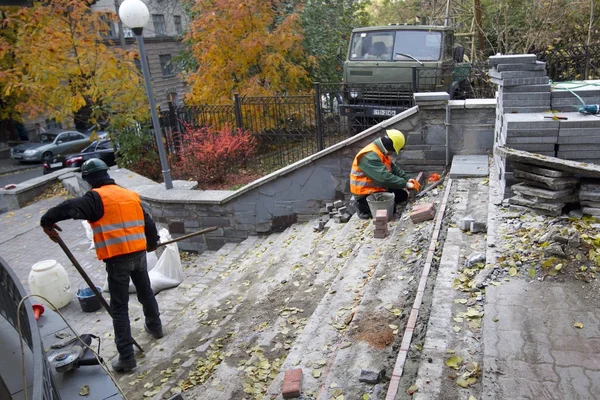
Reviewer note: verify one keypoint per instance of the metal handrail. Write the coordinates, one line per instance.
(11, 294)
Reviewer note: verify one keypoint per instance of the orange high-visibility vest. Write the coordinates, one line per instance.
(361, 184)
(121, 228)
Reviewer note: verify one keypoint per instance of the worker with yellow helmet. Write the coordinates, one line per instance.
(373, 171)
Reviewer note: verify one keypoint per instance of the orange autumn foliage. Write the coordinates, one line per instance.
(247, 48)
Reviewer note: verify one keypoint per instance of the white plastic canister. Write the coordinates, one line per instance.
(48, 278)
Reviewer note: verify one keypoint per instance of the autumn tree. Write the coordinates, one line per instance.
(53, 58)
(247, 47)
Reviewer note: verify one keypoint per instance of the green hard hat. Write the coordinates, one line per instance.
(93, 165)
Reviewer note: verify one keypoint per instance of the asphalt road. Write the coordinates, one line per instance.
(17, 178)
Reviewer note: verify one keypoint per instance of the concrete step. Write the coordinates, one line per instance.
(365, 299)
(221, 296)
(308, 274)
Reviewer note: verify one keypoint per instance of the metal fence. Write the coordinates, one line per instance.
(289, 128)
(571, 63)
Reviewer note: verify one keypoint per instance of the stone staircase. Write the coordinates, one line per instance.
(328, 302)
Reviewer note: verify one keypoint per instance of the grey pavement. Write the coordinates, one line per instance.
(532, 350)
(23, 243)
(9, 166)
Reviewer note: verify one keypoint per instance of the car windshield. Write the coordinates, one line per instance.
(44, 138)
(396, 45)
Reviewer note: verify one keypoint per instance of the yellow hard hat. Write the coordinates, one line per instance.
(397, 138)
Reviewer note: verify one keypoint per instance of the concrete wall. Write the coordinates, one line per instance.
(471, 132)
(297, 192)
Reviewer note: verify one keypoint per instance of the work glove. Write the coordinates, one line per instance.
(414, 184)
(52, 233)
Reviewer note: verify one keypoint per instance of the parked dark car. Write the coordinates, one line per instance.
(102, 149)
(49, 144)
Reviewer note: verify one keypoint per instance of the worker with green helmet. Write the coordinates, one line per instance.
(123, 233)
(373, 171)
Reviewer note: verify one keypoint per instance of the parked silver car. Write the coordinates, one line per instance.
(49, 144)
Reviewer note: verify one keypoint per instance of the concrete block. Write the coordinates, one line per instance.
(520, 81)
(525, 88)
(480, 103)
(530, 140)
(371, 377)
(541, 170)
(516, 74)
(338, 203)
(292, 383)
(555, 208)
(433, 96)
(544, 133)
(538, 66)
(534, 148)
(594, 212)
(319, 226)
(513, 59)
(465, 223)
(345, 218)
(525, 109)
(342, 210)
(548, 182)
(478, 226)
(578, 155)
(329, 207)
(545, 97)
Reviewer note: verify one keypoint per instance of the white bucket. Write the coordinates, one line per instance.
(48, 278)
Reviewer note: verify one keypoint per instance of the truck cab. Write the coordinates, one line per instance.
(385, 65)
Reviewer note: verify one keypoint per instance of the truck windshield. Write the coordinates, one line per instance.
(396, 45)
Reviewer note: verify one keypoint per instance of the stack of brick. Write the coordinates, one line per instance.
(337, 211)
(579, 138)
(422, 212)
(292, 383)
(543, 190)
(589, 195)
(381, 224)
(523, 88)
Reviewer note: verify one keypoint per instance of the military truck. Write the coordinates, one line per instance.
(385, 65)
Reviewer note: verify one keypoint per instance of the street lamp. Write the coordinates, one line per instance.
(135, 15)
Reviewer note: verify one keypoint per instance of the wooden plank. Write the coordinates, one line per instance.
(525, 157)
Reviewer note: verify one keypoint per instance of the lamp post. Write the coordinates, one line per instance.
(135, 15)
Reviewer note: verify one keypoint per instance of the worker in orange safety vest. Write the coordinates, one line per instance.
(123, 233)
(373, 171)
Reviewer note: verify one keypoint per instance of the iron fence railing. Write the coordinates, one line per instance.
(289, 128)
(11, 294)
(571, 63)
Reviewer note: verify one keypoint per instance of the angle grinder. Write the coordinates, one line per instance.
(74, 356)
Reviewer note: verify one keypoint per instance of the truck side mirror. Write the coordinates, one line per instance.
(459, 54)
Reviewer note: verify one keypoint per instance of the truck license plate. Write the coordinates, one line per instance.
(389, 113)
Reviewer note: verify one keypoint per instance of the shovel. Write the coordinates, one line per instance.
(87, 279)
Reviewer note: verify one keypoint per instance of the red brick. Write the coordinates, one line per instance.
(380, 235)
(422, 213)
(380, 223)
(292, 383)
(381, 215)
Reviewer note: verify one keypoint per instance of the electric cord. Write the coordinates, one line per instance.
(100, 362)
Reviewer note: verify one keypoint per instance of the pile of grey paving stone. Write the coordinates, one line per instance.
(338, 211)
(545, 190)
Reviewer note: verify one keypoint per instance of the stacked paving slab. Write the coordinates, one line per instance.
(527, 111)
(589, 195)
(544, 190)
(523, 88)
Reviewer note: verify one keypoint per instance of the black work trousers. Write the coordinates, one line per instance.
(118, 285)
(400, 196)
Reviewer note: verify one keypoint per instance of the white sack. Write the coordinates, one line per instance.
(168, 271)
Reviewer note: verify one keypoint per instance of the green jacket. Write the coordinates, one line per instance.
(372, 166)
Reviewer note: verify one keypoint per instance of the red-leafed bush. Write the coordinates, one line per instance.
(208, 155)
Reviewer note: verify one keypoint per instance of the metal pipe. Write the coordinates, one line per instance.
(447, 123)
(159, 143)
(189, 235)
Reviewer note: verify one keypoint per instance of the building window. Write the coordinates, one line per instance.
(160, 27)
(107, 27)
(178, 27)
(166, 65)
